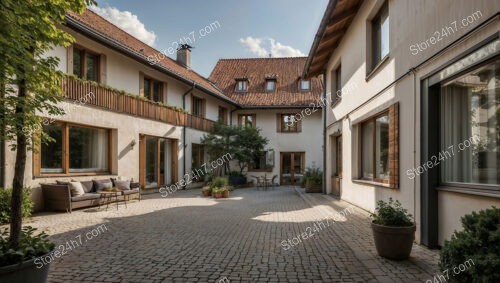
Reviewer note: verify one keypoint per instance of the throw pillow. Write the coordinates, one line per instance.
(101, 185)
(62, 182)
(76, 189)
(122, 185)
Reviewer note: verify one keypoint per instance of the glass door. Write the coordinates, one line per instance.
(292, 167)
(158, 161)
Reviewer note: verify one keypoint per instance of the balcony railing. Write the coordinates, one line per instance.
(89, 93)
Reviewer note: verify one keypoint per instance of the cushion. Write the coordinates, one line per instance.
(129, 192)
(76, 189)
(134, 185)
(87, 185)
(85, 197)
(62, 182)
(100, 185)
(122, 185)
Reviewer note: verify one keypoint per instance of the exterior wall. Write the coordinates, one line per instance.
(309, 140)
(410, 22)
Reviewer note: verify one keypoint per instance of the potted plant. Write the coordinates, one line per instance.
(393, 230)
(225, 192)
(476, 248)
(207, 191)
(216, 192)
(313, 180)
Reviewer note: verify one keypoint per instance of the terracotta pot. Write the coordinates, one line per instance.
(217, 195)
(393, 242)
(207, 193)
(225, 194)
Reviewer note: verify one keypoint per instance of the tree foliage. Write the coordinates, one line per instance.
(30, 85)
(245, 144)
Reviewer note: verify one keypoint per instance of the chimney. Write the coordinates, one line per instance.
(184, 55)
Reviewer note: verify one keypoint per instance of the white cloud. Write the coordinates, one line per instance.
(262, 47)
(128, 22)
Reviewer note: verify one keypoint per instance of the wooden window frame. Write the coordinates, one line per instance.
(150, 95)
(281, 125)
(254, 120)
(337, 79)
(202, 104)
(37, 154)
(393, 147)
(224, 118)
(83, 62)
(236, 89)
(200, 148)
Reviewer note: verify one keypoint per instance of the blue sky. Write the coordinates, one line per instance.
(251, 28)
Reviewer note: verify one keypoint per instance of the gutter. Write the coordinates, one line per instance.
(324, 133)
(319, 34)
(184, 144)
(113, 44)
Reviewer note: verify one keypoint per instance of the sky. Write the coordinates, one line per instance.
(219, 28)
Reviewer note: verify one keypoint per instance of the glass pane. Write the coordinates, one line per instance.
(289, 124)
(88, 149)
(305, 85)
(470, 111)
(151, 162)
(51, 152)
(270, 85)
(147, 88)
(162, 161)
(297, 170)
(367, 150)
(157, 92)
(77, 62)
(92, 64)
(382, 148)
(384, 35)
(286, 168)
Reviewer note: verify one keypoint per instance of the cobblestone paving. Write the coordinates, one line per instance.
(189, 238)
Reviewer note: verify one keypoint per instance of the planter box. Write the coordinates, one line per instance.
(393, 242)
(313, 187)
(26, 272)
(237, 180)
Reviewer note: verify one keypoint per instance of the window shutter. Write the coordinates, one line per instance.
(102, 69)
(239, 120)
(69, 67)
(165, 96)
(278, 123)
(394, 146)
(141, 84)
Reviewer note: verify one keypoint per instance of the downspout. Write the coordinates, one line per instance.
(184, 144)
(323, 97)
(414, 72)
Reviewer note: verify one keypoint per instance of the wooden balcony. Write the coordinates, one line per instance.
(83, 92)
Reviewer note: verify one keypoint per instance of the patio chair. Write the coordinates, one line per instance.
(273, 181)
(258, 183)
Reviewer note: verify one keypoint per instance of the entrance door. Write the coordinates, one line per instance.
(158, 161)
(291, 167)
(337, 178)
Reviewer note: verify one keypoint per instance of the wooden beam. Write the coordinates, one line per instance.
(344, 15)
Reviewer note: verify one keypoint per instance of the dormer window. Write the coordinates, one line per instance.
(305, 85)
(270, 85)
(241, 85)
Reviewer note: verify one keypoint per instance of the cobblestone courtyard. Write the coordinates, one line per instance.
(188, 238)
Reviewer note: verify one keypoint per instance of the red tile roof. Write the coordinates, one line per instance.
(98, 24)
(286, 71)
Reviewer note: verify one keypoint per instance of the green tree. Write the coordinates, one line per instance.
(245, 144)
(29, 82)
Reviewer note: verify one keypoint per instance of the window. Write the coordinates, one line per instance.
(197, 155)
(222, 117)
(153, 90)
(241, 85)
(247, 120)
(305, 85)
(264, 161)
(375, 149)
(198, 107)
(287, 123)
(470, 138)
(336, 85)
(85, 64)
(87, 149)
(270, 85)
(380, 35)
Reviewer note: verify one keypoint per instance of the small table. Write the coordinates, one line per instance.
(108, 198)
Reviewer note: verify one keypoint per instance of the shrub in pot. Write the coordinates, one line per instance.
(393, 230)
(5, 200)
(476, 247)
(225, 193)
(207, 191)
(313, 178)
(23, 264)
(216, 192)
